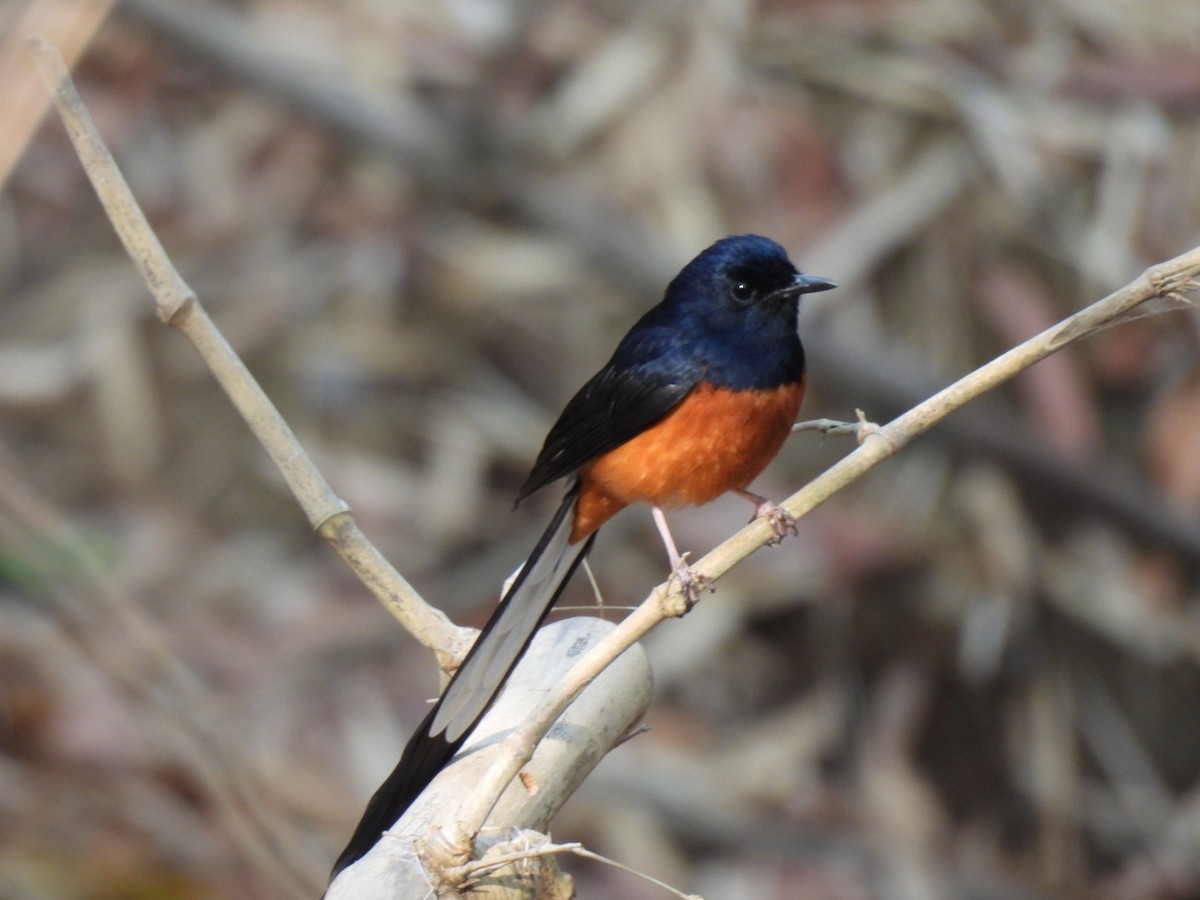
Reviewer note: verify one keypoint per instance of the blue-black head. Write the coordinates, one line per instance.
(743, 289)
(731, 313)
(744, 277)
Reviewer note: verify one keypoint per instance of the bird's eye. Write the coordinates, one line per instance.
(741, 292)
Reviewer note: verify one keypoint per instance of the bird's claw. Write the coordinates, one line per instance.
(781, 521)
(691, 584)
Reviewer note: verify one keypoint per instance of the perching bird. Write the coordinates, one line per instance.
(696, 401)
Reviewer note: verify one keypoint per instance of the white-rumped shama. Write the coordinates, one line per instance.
(696, 401)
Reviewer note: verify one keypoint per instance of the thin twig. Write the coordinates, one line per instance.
(595, 585)
(828, 427)
(471, 872)
(596, 857)
(178, 307)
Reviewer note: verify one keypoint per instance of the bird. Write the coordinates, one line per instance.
(698, 397)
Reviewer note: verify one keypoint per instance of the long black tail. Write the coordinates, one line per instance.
(478, 680)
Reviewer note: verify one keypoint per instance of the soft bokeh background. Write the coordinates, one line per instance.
(423, 223)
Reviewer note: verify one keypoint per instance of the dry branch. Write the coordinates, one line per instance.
(422, 845)
(178, 307)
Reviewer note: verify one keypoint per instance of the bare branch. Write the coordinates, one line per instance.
(426, 846)
(178, 307)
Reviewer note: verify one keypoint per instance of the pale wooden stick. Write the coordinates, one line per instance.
(178, 307)
(71, 24)
(424, 849)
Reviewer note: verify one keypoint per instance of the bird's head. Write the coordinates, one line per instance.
(744, 275)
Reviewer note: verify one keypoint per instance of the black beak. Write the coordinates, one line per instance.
(804, 284)
(811, 284)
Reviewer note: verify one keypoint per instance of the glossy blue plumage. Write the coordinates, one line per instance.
(699, 331)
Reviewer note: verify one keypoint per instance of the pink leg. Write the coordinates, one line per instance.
(781, 521)
(691, 582)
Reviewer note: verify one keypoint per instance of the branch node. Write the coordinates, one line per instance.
(523, 863)
(445, 852)
(328, 527)
(174, 310)
(867, 429)
(673, 601)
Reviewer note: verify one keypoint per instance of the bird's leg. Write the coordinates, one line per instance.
(781, 521)
(587, 570)
(691, 582)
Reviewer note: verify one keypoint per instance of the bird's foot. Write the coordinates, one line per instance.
(781, 521)
(691, 584)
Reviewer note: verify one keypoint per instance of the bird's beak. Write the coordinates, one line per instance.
(804, 284)
(811, 284)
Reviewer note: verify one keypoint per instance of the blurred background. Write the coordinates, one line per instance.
(423, 224)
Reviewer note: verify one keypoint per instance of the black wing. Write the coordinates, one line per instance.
(618, 404)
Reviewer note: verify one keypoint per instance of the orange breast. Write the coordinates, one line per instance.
(716, 440)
